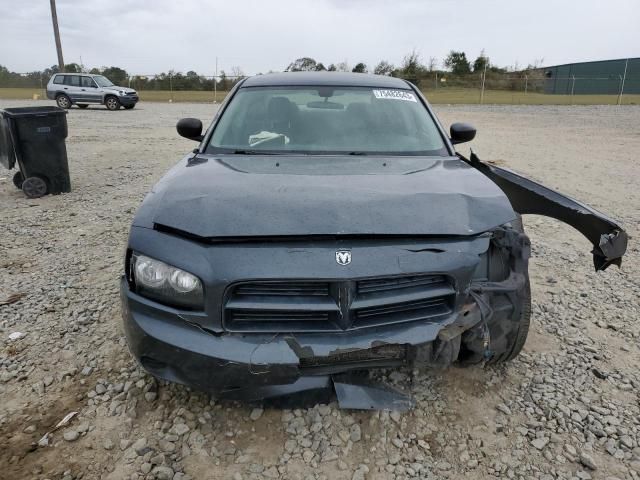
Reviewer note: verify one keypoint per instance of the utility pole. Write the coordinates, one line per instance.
(484, 77)
(56, 33)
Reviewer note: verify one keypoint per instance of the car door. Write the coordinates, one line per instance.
(89, 90)
(72, 88)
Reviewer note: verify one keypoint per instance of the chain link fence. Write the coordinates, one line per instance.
(532, 87)
(183, 88)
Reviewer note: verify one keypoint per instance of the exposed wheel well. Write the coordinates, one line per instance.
(507, 297)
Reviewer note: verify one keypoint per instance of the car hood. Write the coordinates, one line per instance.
(115, 88)
(246, 196)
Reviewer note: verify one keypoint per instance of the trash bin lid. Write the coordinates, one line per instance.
(16, 112)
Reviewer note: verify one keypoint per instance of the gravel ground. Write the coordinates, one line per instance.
(566, 408)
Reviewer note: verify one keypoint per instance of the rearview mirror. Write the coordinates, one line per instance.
(462, 132)
(190, 128)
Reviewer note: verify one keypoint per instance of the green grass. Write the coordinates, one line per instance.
(20, 93)
(439, 96)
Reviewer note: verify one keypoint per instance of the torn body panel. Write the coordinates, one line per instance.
(608, 238)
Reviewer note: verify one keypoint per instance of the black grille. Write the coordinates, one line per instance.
(416, 306)
(401, 299)
(278, 288)
(402, 312)
(308, 306)
(396, 283)
(251, 320)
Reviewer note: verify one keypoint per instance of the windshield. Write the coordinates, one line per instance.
(103, 81)
(326, 120)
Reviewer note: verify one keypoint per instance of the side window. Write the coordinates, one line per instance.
(72, 80)
(59, 79)
(88, 82)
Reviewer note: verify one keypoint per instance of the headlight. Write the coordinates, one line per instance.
(166, 284)
(122, 92)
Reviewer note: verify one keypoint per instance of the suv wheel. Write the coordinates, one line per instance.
(63, 101)
(112, 103)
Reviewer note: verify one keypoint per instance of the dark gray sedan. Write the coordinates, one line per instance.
(323, 227)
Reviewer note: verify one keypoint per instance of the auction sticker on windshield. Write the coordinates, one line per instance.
(395, 95)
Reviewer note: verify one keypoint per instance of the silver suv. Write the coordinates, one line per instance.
(82, 89)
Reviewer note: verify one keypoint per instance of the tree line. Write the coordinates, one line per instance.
(412, 67)
(170, 80)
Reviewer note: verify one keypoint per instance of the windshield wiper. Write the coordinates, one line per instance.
(255, 152)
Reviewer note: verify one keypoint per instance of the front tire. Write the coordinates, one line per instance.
(520, 338)
(112, 103)
(63, 101)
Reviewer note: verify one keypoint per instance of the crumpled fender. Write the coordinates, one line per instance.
(609, 239)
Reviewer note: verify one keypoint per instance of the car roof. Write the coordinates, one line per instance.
(80, 73)
(334, 79)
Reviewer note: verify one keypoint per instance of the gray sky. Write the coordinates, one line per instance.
(152, 36)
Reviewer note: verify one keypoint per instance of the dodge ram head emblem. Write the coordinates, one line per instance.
(343, 257)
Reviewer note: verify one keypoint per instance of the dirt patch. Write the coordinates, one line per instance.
(19, 451)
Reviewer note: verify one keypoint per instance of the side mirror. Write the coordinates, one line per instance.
(462, 132)
(190, 128)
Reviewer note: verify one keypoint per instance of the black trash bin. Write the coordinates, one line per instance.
(34, 137)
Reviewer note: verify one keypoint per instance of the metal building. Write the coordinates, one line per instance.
(605, 77)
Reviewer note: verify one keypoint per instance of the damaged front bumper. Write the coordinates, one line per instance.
(198, 349)
(255, 367)
(202, 349)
